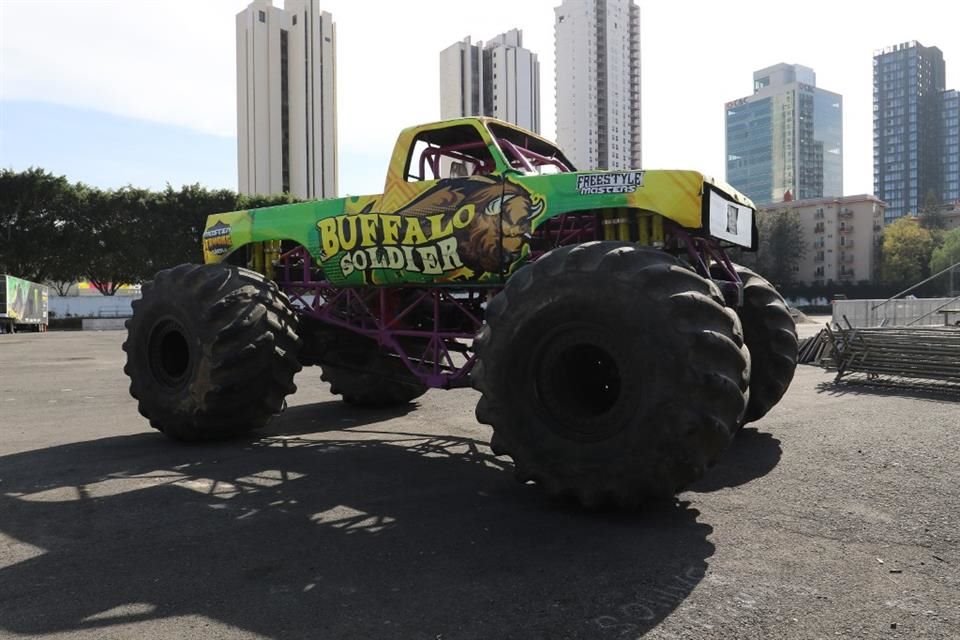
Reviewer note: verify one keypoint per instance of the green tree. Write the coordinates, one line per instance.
(111, 242)
(181, 217)
(179, 221)
(907, 248)
(63, 267)
(931, 217)
(34, 205)
(781, 247)
(785, 247)
(57, 232)
(946, 255)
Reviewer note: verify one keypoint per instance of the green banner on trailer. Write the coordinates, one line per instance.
(23, 301)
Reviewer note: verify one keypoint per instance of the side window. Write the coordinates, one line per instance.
(454, 152)
(417, 169)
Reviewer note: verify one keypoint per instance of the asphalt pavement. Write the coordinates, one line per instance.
(838, 515)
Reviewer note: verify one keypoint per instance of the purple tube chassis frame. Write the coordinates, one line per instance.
(431, 328)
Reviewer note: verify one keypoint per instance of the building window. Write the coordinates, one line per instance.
(262, 16)
(294, 20)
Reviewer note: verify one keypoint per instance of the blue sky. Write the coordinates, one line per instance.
(134, 92)
(112, 151)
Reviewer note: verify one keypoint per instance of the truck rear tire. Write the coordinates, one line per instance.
(365, 376)
(770, 334)
(211, 351)
(610, 373)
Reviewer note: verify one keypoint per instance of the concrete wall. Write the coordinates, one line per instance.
(897, 313)
(103, 324)
(92, 306)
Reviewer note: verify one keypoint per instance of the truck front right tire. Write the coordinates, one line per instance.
(610, 373)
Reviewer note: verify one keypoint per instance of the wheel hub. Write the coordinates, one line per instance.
(169, 353)
(578, 381)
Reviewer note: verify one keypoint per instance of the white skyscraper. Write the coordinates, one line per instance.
(499, 79)
(286, 100)
(597, 74)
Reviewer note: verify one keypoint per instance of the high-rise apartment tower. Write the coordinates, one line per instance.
(908, 137)
(498, 78)
(597, 72)
(951, 147)
(286, 100)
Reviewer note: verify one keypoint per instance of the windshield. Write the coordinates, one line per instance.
(529, 154)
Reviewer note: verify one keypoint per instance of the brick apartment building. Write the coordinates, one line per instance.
(840, 237)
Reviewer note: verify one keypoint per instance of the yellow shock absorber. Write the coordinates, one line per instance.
(256, 257)
(657, 239)
(624, 226)
(643, 229)
(609, 233)
(271, 255)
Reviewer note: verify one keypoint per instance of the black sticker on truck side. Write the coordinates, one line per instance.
(733, 218)
(609, 182)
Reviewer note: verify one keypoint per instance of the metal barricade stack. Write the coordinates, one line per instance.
(927, 357)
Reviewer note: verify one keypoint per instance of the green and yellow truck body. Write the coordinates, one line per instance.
(476, 223)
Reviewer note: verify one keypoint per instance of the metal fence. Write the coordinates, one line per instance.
(916, 357)
(918, 312)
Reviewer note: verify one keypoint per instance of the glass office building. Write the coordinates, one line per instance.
(908, 121)
(828, 142)
(749, 152)
(785, 142)
(951, 146)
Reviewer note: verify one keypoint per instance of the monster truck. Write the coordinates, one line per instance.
(597, 313)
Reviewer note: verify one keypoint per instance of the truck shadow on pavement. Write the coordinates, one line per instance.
(915, 390)
(332, 415)
(752, 454)
(328, 535)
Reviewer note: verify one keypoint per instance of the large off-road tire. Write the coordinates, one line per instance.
(611, 373)
(211, 351)
(366, 376)
(771, 335)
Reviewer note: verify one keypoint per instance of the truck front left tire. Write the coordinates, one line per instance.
(211, 351)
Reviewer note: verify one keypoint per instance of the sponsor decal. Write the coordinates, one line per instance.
(609, 182)
(458, 228)
(217, 240)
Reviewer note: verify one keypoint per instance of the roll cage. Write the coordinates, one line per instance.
(461, 151)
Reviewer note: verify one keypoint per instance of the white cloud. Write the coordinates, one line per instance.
(153, 60)
(174, 62)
